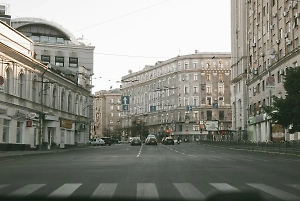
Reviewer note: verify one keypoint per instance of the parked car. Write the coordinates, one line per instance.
(169, 140)
(97, 142)
(107, 140)
(151, 140)
(136, 141)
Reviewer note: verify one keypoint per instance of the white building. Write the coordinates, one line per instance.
(265, 42)
(39, 104)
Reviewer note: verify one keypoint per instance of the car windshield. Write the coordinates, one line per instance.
(150, 100)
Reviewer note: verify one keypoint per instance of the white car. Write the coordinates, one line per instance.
(97, 142)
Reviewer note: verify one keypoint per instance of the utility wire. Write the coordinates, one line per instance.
(121, 16)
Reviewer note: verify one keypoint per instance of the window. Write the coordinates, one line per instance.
(73, 62)
(195, 127)
(59, 61)
(263, 85)
(62, 100)
(111, 114)
(207, 77)
(196, 101)
(19, 132)
(111, 100)
(221, 77)
(5, 137)
(60, 40)
(195, 65)
(45, 59)
(186, 101)
(186, 65)
(21, 85)
(196, 89)
(54, 98)
(69, 102)
(111, 107)
(186, 89)
(208, 89)
(209, 115)
(8, 80)
(195, 77)
(34, 90)
(221, 115)
(208, 100)
(221, 100)
(111, 121)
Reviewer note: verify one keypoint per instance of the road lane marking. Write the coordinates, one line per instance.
(105, 190)
(296, 186)
(274, 191)
(146, 191)
(224, 187)
(64, 191)
(188, 191)
(140, 151)
(26, 190)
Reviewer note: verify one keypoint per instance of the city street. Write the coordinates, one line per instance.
(185, 172)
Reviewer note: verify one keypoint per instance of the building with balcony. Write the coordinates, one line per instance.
(265, 42)
(107, 113)
(186, 96)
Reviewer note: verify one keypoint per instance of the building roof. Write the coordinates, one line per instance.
(31, 20)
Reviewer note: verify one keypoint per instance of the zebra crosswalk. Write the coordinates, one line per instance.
(186, 191)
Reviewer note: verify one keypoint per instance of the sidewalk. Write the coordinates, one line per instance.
(22, 153)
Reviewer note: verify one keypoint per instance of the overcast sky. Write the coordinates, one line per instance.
(129, 34)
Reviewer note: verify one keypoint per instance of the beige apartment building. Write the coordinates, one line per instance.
(181, 96)
(107, 114)
(265, 42)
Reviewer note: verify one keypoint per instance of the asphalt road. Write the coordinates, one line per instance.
(185, 172)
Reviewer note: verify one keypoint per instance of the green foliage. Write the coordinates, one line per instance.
(286, 111)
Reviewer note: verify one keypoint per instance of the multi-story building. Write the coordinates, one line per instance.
(107, 113)
(270, 29)
(181, 96)
(40, 104)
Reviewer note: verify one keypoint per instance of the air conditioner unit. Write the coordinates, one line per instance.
(277, 41)
(254, 90)
(253, 44)
(297, 15)
(284, 14)
(271, 26)
(274, 14)
(255, 71)
(257, 24)
(286, 35)
(288, 42)
(295, 4)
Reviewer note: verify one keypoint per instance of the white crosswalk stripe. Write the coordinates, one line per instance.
(3, 185)
(188, 191)
(26, 190)
(224, 187)
(147, 191)
(296, 186)
(64, 191)
(274, 191)
(105, 190)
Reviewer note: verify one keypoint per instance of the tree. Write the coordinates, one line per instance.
(137, 127)
(286, 111)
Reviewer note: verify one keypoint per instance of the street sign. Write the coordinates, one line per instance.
(125, 107)
(152, 108)
(189, 108)
(270, 82)
(215, 105)
(125, 100)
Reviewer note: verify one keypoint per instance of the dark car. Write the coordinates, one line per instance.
(169, 140)
(151, 140)
(136, 141)
(107, 140)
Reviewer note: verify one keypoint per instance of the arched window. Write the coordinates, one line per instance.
(69, 102)
(77, 105)
(21, 85)
(34, 90)
(45, 93)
